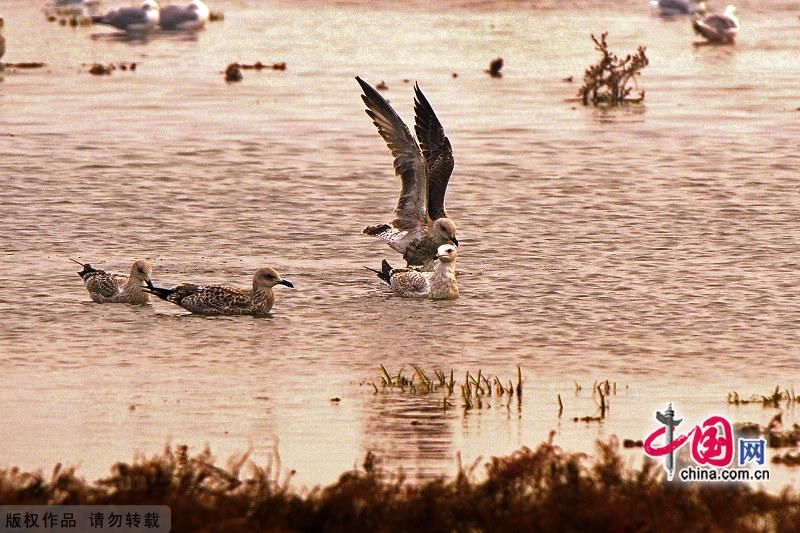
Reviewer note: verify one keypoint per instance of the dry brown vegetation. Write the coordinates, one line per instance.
(608, 81)
(545, 489)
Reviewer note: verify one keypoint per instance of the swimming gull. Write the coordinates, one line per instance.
(105, 288)
(440, 284)
(191, 17)
(679, 7)
(225, 300)
(132, 19)
(721, 29)
(421, 224)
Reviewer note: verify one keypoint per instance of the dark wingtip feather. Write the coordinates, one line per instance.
(87, 269)
(384, 273)
(161, 292)
(377, 229)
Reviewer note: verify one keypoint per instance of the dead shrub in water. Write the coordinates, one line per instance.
(545, 489)
(607, 82)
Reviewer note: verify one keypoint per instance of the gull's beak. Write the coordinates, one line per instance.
(287, 283)
(149, 283)
(455, 241)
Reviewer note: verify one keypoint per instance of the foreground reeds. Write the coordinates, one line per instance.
(545, 489)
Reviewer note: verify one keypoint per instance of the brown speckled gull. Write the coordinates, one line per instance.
(440, 284)
(225, 300)
(421, 224)
(107, 288)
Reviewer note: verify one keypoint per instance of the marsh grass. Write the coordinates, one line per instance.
(775, 433)
(601, 392)
(476, 391)
(774, 399)
(545, 489)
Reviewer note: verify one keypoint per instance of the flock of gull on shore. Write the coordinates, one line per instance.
(421, 230)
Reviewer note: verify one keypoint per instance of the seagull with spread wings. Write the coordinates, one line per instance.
(420, 225)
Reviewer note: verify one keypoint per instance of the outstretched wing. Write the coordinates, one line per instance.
(411, 210)
(437, 153)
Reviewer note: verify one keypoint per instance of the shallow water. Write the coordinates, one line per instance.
(654, 246)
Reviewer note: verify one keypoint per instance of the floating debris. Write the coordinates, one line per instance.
(258, 65)
(588, 418)
(233, 73)
(381, 86)
(216, 16)
(607, 82)
(630, 443)
(98, 69)
(26, 65)
(495, 67)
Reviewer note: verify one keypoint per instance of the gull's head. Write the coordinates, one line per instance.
(141, 271)
(444, 230)
(700, 8)
(149, 5)
(446, 253)
(198, 5)
(266, 278)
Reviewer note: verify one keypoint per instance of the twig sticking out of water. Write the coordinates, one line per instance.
(495, 66)
(607, 82)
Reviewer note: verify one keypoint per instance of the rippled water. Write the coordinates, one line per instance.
(655, 246)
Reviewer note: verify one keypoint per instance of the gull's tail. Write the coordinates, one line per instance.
(87, 268)
(161, 292)
(385, 273)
